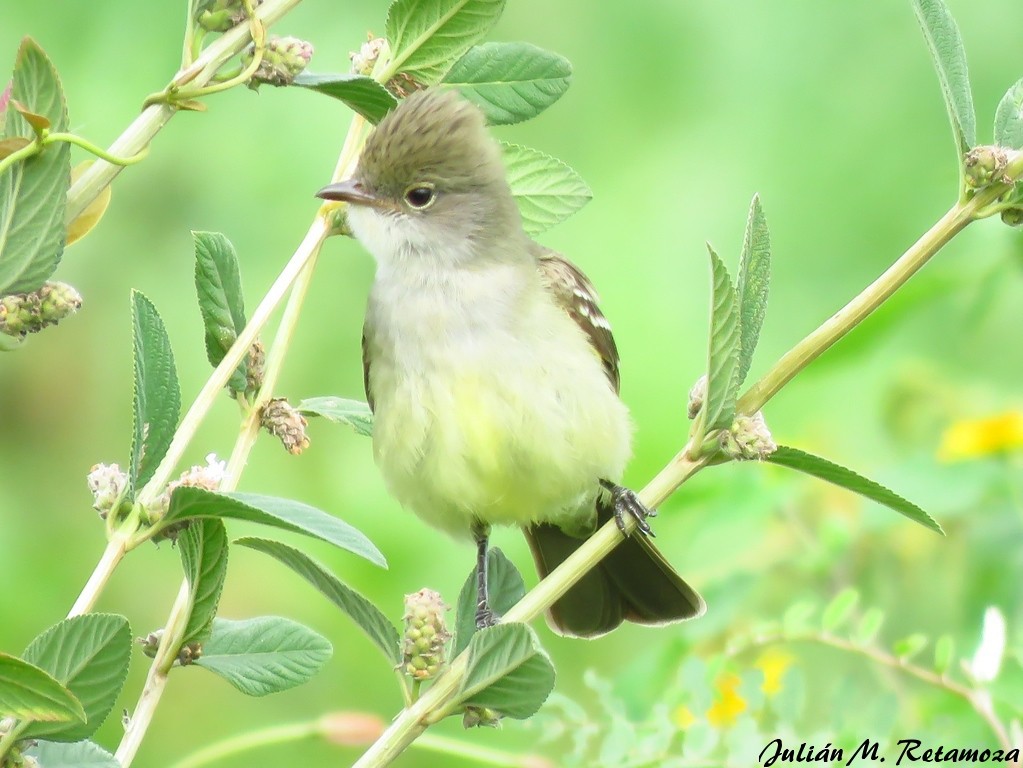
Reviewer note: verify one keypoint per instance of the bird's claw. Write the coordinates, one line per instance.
(486, 618)
(626, 502)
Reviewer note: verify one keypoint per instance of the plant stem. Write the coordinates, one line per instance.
(116, 549)
(140, 133)
(281, 734)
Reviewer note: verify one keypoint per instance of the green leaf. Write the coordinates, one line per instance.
(373, 622)
(33, 192)
(203, 547)
(507, 671)
(218, 285)
(80, 754)
(908, 647)
(157, 400)
(546, 190)
(30, 693)
(354, 413)
(286, 514)
(264, 655)
(752, 285)
(838, 611)
(427, 36)
(796, 617)
(944, 653)
(946, 47)
(363, 94)
(869, 626)
(89, 655)
(846, 478)
(510, 82)
(723, 350)
(1009, 118)
(505, 587)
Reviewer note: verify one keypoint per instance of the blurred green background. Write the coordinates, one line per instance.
(678, 113)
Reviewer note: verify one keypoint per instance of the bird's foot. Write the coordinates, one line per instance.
(486, 618)
(626, 502)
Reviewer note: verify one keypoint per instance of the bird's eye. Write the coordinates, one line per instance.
(420, 196)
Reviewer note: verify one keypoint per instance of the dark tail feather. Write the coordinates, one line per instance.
(633, 583)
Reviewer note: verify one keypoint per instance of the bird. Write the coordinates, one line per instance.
(492, 374)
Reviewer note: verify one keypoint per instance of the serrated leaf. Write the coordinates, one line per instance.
(204, 551)
(30, 693)
(427, 36)
(353, 413)
(868, 626)
(944, 652)
(33, 192)
(908, 647)
(507, 671)
(546, 190)
(286, 514)
(752, 285)
(264, 655)
(1009, 118)
(363, 94)
(510, 82)
(157, 399)
(372, 621)
(90, 216)
(846, 478)
(218, 284)
(505, 586)
(89, 655)
(838, 611)
(946, 46)
(723, 349)
(80, 754)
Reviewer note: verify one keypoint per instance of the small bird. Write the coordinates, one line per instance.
(491, 372)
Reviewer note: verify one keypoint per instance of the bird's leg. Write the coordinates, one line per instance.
(484, 616)
(625, 502)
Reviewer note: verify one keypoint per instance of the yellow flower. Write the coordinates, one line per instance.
(975, 438)
(773, 663)
(729, 704)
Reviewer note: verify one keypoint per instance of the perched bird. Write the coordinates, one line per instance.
(492, 374)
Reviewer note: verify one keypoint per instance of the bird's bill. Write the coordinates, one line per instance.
(348, 191)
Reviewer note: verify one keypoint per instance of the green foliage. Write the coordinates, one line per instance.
(80, 754)
(505, 586)
(30, 693)
(370, 619)
(156, 400)
(218, 284)
(287, 514)
(203, 547)
(33, 192)
(1009, 118)
(846, 478)
(752, 285)
(89, 656)
(840, 609)
(946, 47)
(723, 350)
(353, 413)
(546, 190)
(361, 93)
(510, 82)
(264, 655)
(507, 671)
(428, 36)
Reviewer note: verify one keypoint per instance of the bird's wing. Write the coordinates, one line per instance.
(365, 369)
(575, 294)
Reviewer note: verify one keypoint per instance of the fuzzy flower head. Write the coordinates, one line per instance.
(209, 477)
(107, 483)
(426, 634)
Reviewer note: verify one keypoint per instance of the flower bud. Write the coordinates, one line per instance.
(351, 729)
(748, 438)
(283, 59)
(401, 85)
(480, 717)
(189, 653)
(151, 643)
(221, 15)
(697, 395)
(984, 165)
(426, 634)
(23, 313)
(107, 483)
(367, 56)
(209, 477)
(1013, 217)
(282, 421)
(254, 365)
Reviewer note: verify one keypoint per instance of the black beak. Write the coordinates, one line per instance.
(348, 191)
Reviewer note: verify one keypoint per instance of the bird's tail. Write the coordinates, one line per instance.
(633, 583)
